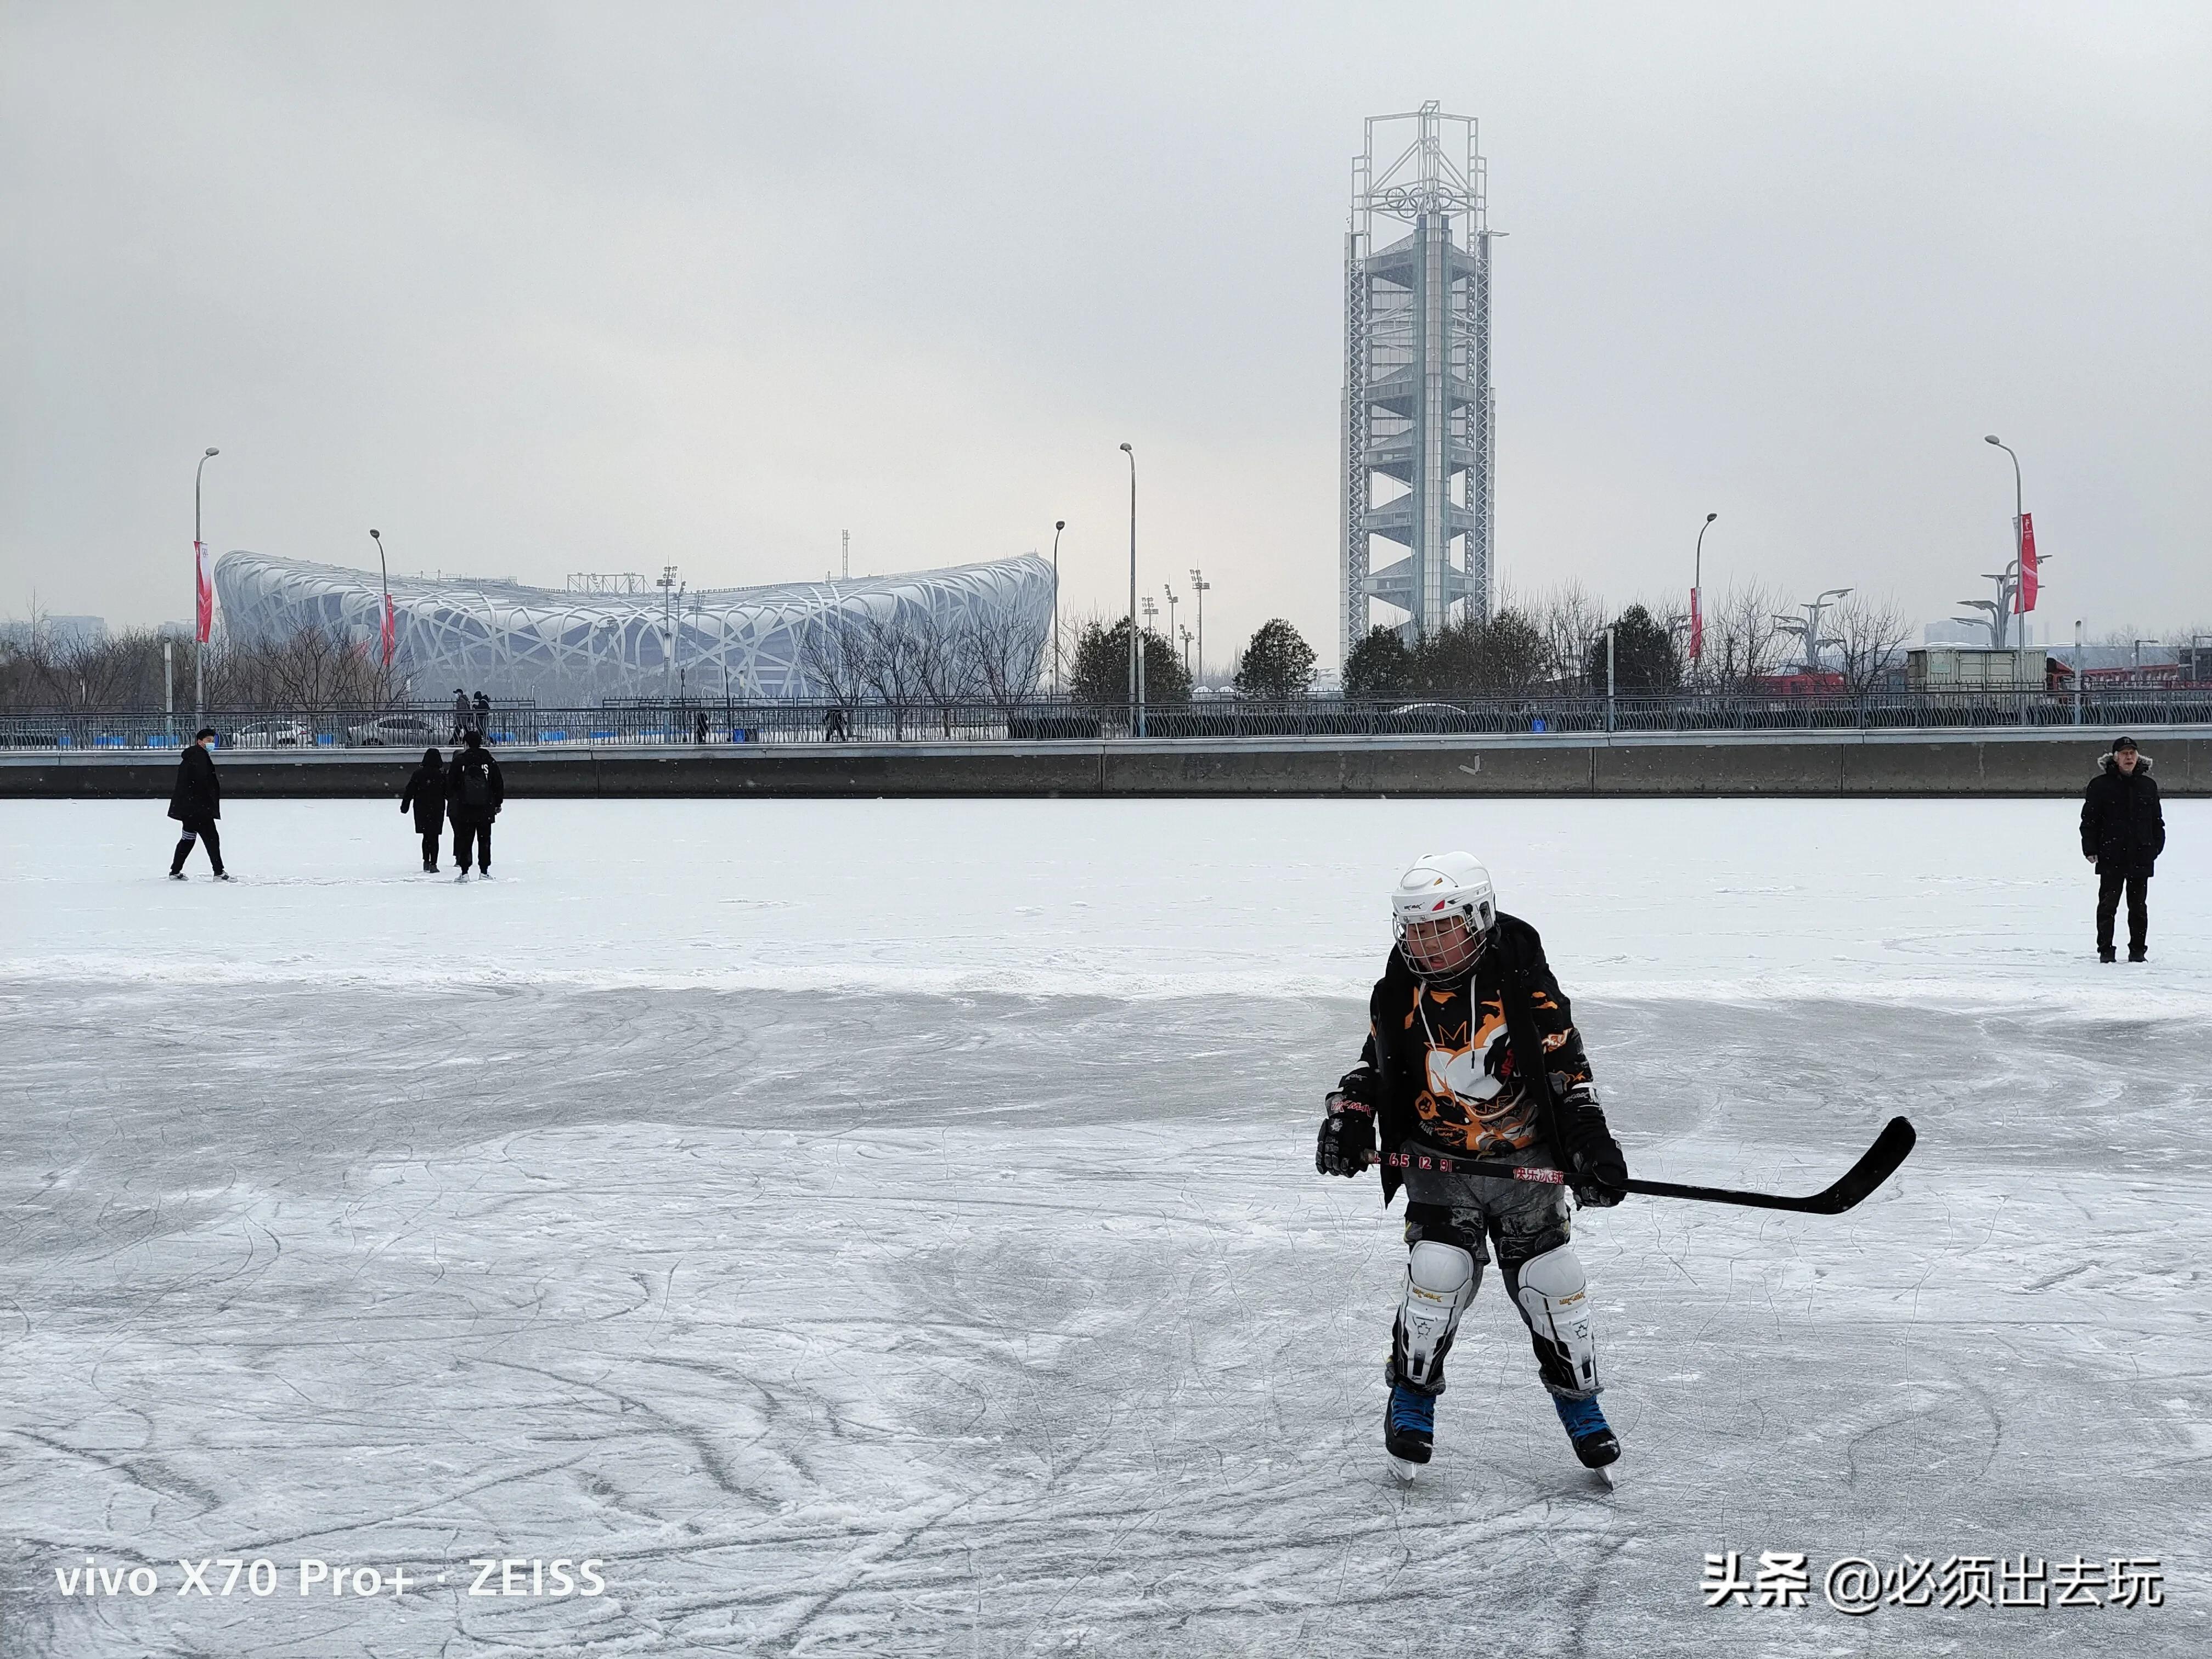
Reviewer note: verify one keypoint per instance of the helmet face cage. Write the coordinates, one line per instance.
(1447, 938)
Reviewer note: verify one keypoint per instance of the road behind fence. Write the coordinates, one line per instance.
(631, 727)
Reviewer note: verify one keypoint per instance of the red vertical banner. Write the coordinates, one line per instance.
(391, 630)
(203, 594)
(1696, 628)
(2025, 602)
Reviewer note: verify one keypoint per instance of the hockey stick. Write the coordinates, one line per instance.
(1875, 1166)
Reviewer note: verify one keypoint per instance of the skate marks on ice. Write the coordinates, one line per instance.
(835, 1325)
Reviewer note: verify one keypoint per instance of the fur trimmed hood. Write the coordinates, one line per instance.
(2107, 763)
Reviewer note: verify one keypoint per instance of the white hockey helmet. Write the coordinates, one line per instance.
(1442, 911)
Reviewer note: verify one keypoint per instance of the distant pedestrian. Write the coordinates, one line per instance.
(699, 727)
(833, 726)
(195, 802)
(484, 716)
(2123, 833)
(461, 713)
(474, 792)
(426, 794)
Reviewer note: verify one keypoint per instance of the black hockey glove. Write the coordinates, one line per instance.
(1597, 1171)
(1346, 1145)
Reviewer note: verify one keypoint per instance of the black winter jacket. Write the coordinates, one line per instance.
(2122, 827)
(1392, 1074)
(467, 761)
(198, 793)
(426, 794)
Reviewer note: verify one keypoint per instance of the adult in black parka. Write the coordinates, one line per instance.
(2123, 833)
(474, 791)
(426, 794)
(195, 802)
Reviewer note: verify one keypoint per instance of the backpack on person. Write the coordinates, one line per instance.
(475, 789)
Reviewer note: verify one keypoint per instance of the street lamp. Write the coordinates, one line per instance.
(200, 575)
(1697, 592)
(2019, 507)
(1136, 647)
(1186, 653)
(1169, 589)
(384, 628)
(1809, 630)
(1199, 585)
(1058, 525)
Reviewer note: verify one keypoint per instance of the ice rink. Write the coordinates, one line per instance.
(890, 1227)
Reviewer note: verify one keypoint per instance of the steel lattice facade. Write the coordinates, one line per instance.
(1419, 414)
(562, 647)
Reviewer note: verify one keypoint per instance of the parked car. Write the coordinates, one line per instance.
(394, 731)
(273, 734)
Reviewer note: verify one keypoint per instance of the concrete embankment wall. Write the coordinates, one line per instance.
(1976, 762)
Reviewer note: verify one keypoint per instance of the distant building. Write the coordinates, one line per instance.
(56, 633)
(564, 647)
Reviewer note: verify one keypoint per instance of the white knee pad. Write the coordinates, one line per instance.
(1554, 1298)
(1440, 1281)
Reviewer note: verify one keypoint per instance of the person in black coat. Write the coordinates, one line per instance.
(195, 802)
(474, 791)
(2123, 833)
(462, 715)
(426, 794)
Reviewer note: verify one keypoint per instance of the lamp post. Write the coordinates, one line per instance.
(1198, 585)
(1697, 592)
(1186, 653)
(1808, 631)
(1136, 646)
(1058, 525)
(2019, 507)
(199, 644)
(384, 628)
(1169, 590)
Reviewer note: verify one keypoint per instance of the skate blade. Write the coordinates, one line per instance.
(1607, 1476)
(1404, 1470)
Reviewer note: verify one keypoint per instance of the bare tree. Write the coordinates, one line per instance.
(1870, 634)
(1571, 619)
(834, 653)
(1743, 642)
(1009, 657)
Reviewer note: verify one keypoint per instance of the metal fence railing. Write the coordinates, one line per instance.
(701, 724)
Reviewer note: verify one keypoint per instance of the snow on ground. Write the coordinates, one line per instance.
(890, 1227)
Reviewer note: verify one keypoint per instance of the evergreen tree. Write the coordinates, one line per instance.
(1101, 674)
(1379, 665)
(1644, 659)
(1277, 664)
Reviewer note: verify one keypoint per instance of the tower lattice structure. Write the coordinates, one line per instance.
(1419, 415)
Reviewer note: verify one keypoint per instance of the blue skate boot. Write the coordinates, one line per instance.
(1594, 1440)
(1409, 1428)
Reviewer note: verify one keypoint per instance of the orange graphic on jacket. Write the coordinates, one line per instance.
(1473, 1100)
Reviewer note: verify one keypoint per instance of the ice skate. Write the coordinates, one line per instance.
(1592, 1437)
(1409, 1428)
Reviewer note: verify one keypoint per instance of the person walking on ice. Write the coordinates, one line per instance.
(475, 790)
(426, 794)
(1472, 1053)
(195, 802)
(2123, 833)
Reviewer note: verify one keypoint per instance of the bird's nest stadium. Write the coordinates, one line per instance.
(574, 648)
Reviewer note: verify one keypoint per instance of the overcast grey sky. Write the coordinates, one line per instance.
(543, 288)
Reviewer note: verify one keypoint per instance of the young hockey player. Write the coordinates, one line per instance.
(1472, 1053)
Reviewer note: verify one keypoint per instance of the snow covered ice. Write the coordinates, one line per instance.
(891, 1227)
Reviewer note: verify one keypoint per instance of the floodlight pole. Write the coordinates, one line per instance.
(1199, 585)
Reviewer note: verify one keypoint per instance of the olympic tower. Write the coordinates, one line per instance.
(1418, 415)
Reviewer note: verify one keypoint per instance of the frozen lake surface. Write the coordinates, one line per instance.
(891, 1227)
